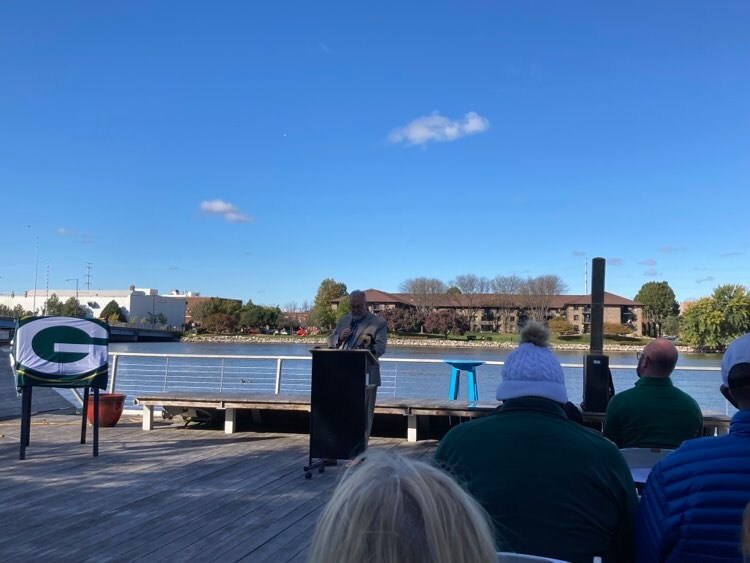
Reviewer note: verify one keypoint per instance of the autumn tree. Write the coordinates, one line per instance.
(322, 313)
(472, 297)
(560, 325)
(537, 293)
(505, 291)
(403, 320)
(445, 322)
(424, 291)
(658, 302)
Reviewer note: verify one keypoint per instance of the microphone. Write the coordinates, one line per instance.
(343, 342)
(366, 341)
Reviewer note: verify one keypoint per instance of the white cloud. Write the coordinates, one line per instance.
(230, 212)
(706, 279)
(651, 272)
(82, 238)
(579, 253)
(671, 249)
(614, 262)
(730, 254)
(648, 262)
(438, 128)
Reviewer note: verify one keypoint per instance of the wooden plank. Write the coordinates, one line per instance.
(161, 494)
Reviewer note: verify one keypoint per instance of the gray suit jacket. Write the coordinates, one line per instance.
(371, 325)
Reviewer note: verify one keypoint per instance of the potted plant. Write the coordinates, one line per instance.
(110, 408)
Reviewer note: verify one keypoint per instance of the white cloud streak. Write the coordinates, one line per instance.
(438, 128)
(230, 212)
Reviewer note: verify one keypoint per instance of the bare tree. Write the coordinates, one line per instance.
(423, 291)
(537, 295)
(473, 295)
(506, 290)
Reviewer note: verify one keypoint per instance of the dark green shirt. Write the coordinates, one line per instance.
(552, 487)
(653, 414)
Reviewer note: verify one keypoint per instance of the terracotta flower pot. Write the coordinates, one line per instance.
(110, 408)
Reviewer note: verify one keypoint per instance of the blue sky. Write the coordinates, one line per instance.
(252, 149)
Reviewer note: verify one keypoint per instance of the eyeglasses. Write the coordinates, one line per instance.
(639, 355)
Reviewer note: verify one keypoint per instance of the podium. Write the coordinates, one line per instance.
(338, 413)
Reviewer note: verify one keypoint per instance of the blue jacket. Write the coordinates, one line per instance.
(692, 507)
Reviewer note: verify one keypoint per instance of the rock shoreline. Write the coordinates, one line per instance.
(413, 342)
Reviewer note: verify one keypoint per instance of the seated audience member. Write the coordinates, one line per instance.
(390, 509)
(691, 508)
(553, 488)
(654, 413)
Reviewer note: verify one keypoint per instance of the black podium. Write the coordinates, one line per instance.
(338, 414)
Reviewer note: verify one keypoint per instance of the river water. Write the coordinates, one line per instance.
(430, 380)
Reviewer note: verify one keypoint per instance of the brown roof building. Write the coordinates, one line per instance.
(507, 313)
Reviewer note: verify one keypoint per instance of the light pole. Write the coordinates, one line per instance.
(76, 280)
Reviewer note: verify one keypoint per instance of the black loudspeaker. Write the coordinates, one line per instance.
(596, 383)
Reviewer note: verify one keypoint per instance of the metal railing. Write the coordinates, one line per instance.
(135, 373)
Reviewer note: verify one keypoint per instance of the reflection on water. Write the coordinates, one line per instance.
(426, 380)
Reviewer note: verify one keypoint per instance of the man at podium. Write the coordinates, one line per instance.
(361, 329)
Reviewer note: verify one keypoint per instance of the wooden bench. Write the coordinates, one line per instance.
(231, 403)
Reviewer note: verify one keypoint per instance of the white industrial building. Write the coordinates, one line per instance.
(136, 303)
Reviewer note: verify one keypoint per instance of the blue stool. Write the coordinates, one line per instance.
(470, 367)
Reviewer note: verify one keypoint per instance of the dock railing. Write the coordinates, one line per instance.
(135, 373)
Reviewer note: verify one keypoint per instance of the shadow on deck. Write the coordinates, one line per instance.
(171, 494)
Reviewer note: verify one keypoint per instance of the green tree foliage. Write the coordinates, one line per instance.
(322, 313)
(658, 301)
(560, 325)
(713, 322)
(445, 322)
(72, 308)
(53, 307)
(671, 326)
(260, 316)
(112, 312)
(16, 312)
(403, 320)
(156, 319)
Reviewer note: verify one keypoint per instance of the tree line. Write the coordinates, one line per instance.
(710, 323)
(470, 294)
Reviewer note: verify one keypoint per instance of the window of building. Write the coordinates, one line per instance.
(575, 307)
(575, 317)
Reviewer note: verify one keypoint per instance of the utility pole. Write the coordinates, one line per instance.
(88, 276)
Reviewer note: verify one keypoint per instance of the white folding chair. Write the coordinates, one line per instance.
(640, 462)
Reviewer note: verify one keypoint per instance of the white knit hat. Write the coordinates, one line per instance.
(531, 370)
(738, 352)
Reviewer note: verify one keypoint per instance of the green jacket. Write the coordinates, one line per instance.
(653, 414)
(552, 487)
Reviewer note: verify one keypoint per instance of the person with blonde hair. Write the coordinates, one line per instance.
(389, 508)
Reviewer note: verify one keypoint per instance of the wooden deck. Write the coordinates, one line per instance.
(173, 494)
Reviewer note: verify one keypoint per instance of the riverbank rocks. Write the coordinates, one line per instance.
(313, 341)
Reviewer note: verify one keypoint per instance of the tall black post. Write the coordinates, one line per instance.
(596, 378)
